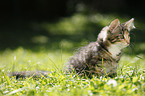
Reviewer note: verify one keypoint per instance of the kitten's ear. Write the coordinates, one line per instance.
(115, 23)
(116, 30)
(129, 24)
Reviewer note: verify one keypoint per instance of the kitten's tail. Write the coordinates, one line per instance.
(34, 74)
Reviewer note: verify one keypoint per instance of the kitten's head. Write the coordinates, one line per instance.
(117, 32)
(120, 32)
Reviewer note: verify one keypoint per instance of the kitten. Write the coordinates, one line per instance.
(102, 56)
(97, 58)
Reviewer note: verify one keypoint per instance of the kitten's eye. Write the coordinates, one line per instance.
(121, 36)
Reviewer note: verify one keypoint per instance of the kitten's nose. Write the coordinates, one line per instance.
(127, 42)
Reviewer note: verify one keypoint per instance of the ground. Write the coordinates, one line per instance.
(51, 51)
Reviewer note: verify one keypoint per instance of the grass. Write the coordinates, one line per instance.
(52, 57)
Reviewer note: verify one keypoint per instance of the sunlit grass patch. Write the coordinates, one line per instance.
(52, 54)
(130, 79)
(24, 60)
(73, 25)
(79, 23)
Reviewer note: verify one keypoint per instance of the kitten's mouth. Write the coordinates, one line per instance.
(127, 42)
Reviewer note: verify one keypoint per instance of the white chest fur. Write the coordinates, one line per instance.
(116, 48)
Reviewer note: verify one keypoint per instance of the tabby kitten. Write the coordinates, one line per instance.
(97, 58)
(102, 56)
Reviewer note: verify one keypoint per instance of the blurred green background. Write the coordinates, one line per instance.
(43, 34)
(42, 25)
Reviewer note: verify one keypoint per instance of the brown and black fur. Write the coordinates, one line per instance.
(25, 74)
(97, 58)
(89, 61)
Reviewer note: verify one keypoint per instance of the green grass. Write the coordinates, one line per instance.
(52, 57)
(130, 79)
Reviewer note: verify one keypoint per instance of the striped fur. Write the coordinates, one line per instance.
(102, 56)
